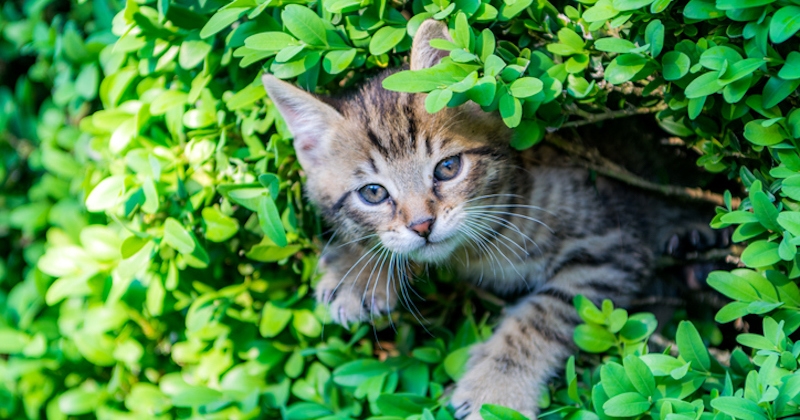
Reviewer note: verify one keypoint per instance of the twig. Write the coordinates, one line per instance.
(591, 118)
(591, 159)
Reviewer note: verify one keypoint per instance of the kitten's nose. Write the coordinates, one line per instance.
(423, 228)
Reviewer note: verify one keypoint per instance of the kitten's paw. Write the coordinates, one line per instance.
(696, 239)
(349, 302)
(486, 383)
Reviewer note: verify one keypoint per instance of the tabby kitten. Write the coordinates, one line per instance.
(404, 187)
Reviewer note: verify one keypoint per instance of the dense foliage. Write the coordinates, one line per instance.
(158, 255)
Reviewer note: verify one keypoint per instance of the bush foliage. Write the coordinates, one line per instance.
(158, 254)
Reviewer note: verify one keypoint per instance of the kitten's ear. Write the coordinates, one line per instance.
(422, 54)
(307, 117)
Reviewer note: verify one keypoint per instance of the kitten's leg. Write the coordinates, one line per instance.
(534, 339)
(357, 283)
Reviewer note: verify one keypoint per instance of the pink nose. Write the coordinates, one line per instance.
(423, 228)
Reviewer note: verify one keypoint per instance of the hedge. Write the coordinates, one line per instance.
(158, 253)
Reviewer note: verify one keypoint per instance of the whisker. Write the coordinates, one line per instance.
(522, 206)
(481, 243)
(521, 216)
(485, 217)
(502, 254)
(358, 240)
(333, 292)
(488, 229)
(484, 197)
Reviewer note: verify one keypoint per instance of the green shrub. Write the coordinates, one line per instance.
(160, 254)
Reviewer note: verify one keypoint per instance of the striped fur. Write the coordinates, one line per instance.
(509, 221)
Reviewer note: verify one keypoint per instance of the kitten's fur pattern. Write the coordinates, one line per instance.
(508, 221)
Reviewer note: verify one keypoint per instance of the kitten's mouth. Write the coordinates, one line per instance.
(434, 252)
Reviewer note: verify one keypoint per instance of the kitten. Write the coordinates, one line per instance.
(403, 186)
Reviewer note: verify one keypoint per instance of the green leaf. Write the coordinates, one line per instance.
(437, 77)
(385, 39)
(79, 401)
(739, 408)
(602, 10)
(734, 284)
(107, 194)
(691, 347)
(625, 5)
(616, 45)
(731, 312)
(270, 220)
(273, 320)
(741, 69)
(654, 35)
(764, 210)
(12, 341)
(629, 404)
(741, 4)
(303, 23)
(437, 99)
(176, 236)
(791, 188)
(568, 37)
(785, 23)
(526, 87)
(246, 97)
(510, 110)
(675, 65)
(167, 100)
(761, 254)
(715, 58)
(615, 380)
(455, 364)
(776, 90)
(219, 227)
(625, 67)
(790, 220)
(498, 412)
(185, 395)
(270, 253)
(702, 10)
(527, 134)
(588, 311)
(223, 18)
(755, 132)
(661, 364)
(640, 376)
(306, 323)
(593, 338)
(403, 405)
(270, 41)
(338, 61)
(192, 53)
(791, 68)
(356, 372)
(704, 85)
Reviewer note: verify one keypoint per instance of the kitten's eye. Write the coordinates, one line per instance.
(448, 168)
(373, 193)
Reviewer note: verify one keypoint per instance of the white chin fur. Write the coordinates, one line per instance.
(433, 252)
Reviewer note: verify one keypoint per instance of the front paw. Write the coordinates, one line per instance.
(490, 380)
(350, 302)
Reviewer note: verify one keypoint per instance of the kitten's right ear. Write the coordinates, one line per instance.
(307, 117)
(422, 54)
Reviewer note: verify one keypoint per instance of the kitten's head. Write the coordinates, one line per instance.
(380, 167)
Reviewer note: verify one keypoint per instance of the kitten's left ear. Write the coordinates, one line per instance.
(308, 118)
(422, 54)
